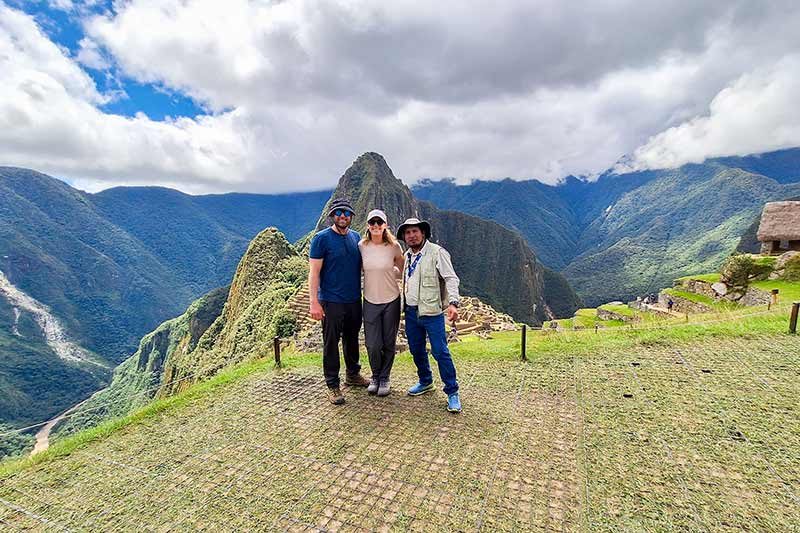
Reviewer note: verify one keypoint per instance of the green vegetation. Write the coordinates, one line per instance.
(789, 291)
(620, 309)
(709, 278)
(138, 379)
(622, 236)
(513, 282)
(112, 266)
(13, 443)
(792, 269)
(740, 269)
(721, 305)
(35, 383)
(224, 327)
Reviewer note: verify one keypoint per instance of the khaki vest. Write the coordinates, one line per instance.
(432, 297)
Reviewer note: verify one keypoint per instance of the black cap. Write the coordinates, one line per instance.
(340, 203)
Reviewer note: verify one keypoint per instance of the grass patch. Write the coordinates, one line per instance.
(709, 278)
(620, 309)
(721, 305)
(623, 429)
(789, 291)
(195, 392)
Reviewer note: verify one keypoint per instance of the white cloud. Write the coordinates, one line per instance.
(49, 120)
(89, 54)
(298, 89)
(63, 5)
(757, 113)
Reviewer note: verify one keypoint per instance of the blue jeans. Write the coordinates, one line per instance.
(416, 329)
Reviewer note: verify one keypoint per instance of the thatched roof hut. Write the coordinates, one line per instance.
(779, 229)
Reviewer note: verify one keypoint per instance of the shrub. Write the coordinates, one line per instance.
(285, 323)
(792, 269)
(740, 270)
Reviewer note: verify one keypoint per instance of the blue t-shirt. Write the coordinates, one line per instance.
(340, 277)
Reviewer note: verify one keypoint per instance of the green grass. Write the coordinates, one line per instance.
(198, 391)
(722, 305)
(616, 430)
(710, 278)
(766, 260)
(619, 309)
(789, 291)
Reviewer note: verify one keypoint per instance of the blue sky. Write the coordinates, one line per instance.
(260, 96)
(65, 28)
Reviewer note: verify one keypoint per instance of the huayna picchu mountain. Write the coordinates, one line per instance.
(493, 262)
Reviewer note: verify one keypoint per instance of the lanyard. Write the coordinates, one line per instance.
(413, 266)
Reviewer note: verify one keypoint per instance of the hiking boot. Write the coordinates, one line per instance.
(383, 389)
(373, 386)
(356, 380)
(453, 403)
(419, 388)
(335, 395)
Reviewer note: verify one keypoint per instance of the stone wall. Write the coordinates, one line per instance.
(682, 305)
(605, 314)
(699, 287)
(755, 296)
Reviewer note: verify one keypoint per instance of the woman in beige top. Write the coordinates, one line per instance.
(382, 261)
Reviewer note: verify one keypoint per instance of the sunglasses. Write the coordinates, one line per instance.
(375, 222)
(345, 212)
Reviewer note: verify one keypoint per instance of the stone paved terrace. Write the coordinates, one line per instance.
(692, 436)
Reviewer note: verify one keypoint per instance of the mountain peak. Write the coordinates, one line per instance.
(369, 184)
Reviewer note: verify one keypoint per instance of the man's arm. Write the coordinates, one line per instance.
(445, 267)
(315, 309)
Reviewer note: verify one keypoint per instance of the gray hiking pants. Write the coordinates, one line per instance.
(381, 322)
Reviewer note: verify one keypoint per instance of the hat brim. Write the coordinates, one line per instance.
(424, 226)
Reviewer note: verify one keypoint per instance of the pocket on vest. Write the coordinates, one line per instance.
(430, 281)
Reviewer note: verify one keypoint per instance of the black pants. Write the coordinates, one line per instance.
(381, 322)
(341, 321)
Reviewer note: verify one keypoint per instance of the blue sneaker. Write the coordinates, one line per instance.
(453, 403)
(419, 388)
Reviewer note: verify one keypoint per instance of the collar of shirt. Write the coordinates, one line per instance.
(412, 255)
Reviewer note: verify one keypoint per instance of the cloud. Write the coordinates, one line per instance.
(297, 89)
(90, 55)
(757, 113)
(50, 121)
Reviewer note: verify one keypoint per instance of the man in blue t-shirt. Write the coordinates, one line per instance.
(334, 286)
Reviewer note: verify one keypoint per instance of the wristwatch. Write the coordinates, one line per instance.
(454, 302)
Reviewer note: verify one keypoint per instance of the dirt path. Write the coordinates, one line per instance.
(43, 435)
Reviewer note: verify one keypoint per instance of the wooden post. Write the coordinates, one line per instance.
(277, 347)
(774, 298)
(793, 317)
(522, 342)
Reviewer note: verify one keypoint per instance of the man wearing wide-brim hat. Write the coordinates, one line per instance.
(430, 288)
